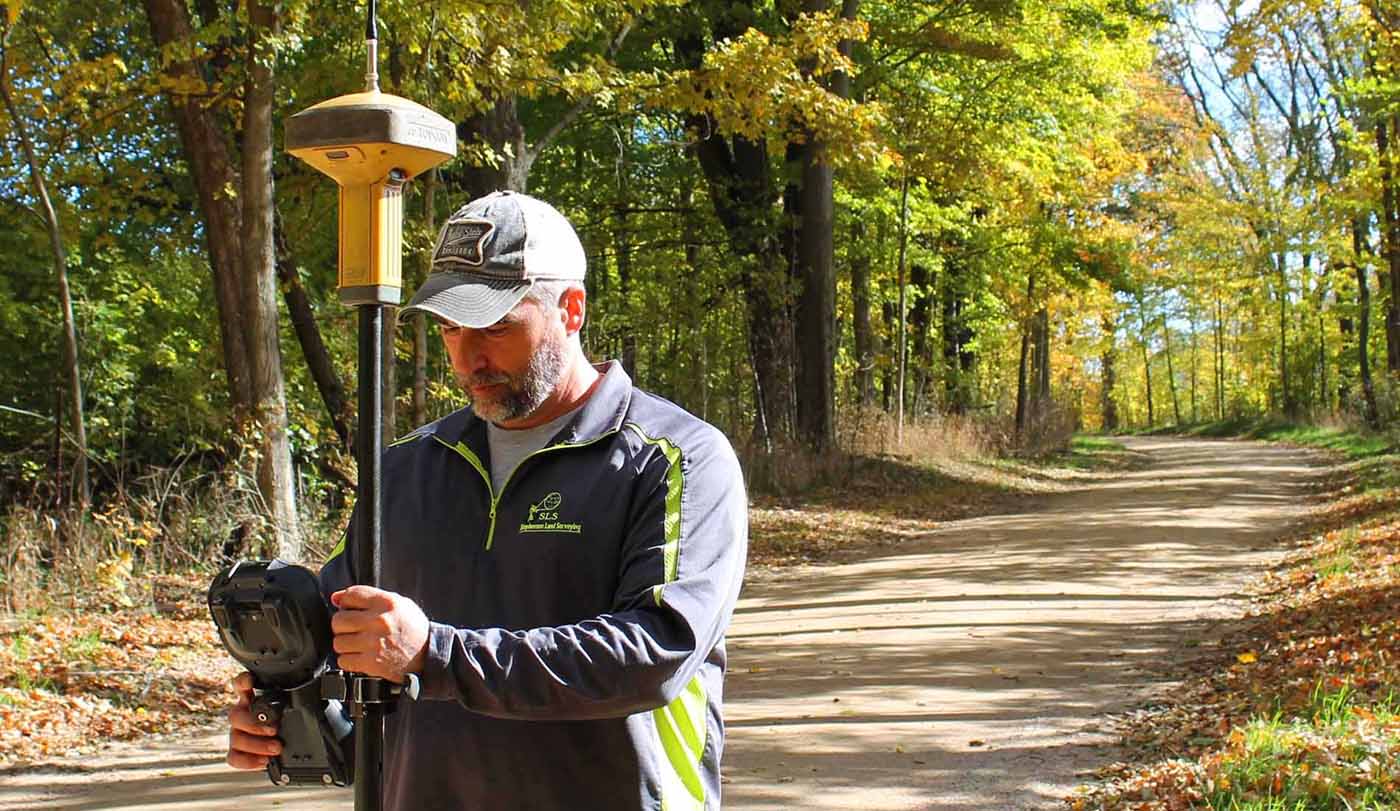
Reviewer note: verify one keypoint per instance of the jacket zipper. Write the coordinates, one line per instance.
(475, 461)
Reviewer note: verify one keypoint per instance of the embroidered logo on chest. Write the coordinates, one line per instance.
(544, 517)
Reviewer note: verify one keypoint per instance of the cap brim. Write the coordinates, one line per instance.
(467, 299)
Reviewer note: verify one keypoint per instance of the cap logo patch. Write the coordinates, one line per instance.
(463, 241)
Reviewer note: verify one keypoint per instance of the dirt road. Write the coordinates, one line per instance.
(967, 670)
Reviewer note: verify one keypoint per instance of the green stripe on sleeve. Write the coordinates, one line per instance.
(680, 727)
(675, 484)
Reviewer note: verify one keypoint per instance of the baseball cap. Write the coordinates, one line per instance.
(490, 251)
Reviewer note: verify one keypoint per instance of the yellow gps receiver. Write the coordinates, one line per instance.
(371, 143)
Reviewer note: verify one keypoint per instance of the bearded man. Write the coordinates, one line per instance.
(560, 563)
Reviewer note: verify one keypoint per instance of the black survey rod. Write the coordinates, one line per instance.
(369, 727)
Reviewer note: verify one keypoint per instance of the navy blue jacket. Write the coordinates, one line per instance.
(576, 648)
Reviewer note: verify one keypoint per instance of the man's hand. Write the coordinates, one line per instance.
(379, 633)
(250, 743)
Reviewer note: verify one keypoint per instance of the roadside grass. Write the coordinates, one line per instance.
(1095, 452)
(877, 501)
(1295, 708)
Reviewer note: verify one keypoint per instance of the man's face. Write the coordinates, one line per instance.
(509, 368)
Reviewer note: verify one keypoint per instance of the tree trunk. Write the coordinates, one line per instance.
(860, 316)
(814, 216)
(1281, 263)
(743, 193)
(1195, 365)
(903, 342)
(958, 357)
(1021, 371)
(1147, 382)
(920, 321)
(816, 304)
(889, 315)
(1219, 351)
(77, 424)
(1390, 215)
(313, 348)
(1363, 329)
(1171, 371)
(420, 322)
(1040, 402)
(269, 417)
(499, 129)
(622, 245)
(1022, 368)
(1110, 374)
(208, 156)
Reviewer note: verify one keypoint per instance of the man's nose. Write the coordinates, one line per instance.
(469, 349)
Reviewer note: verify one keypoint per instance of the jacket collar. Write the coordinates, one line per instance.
(601, 414)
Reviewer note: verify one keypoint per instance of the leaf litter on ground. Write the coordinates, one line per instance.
(1294, 707)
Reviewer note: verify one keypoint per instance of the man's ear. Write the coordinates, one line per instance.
(573, 304)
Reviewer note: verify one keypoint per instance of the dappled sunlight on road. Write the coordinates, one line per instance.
(967, 670)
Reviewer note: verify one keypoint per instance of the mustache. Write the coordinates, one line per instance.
(487, 379)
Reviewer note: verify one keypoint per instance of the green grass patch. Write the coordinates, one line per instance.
(1340, 560)
(1088, 443)
(1352, 443)
(1089, 452)
(1342, 756)
(84, 647)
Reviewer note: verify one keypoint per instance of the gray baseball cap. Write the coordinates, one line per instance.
(490, 251)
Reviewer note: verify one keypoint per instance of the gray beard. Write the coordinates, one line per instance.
(527, 392)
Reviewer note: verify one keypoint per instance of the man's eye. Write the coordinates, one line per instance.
(497, 330)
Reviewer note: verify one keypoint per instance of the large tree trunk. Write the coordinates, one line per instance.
(1110, 374)
(208, 156)
(65, 300)
(499, 129)
(816, 304)
(274, 464)
(814, 216)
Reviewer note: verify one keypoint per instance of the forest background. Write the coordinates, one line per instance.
(820, 226)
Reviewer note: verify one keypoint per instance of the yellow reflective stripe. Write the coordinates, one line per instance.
(680, 727)
(675, 483)
(403, 440)
(340, 547)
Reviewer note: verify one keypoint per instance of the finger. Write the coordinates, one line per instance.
(364, 664)
(243, 685)
(363, 598)
(355, 643)
(253, 744)
(243, 760)
(241, 719)
(346, 621)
